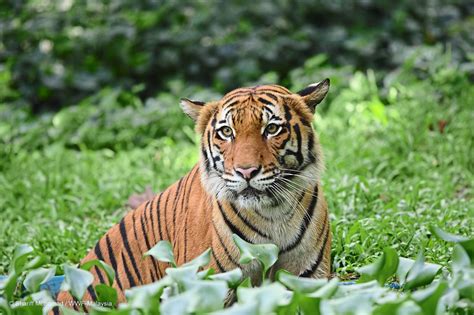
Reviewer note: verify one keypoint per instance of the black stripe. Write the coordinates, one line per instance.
(150, 215)
(275, 88)
(175, 203)
(274, 97)
(229, 103)
(148, 246)
(287, 113)
(312, 159)
(308, 272)
(218, 263)
(76, 304)
(186, 214)
(98, 252)
(127, 272)
(56, 310)
(248, 223)
(133, 225)
(306, 221)
(164, 214)
(231, 226)
(299, 139)
(91, 291)
(183, 198)
(157, 210)
(221, 242)
(266, 102)
(99, 274)
(123, 233)
(112, 260)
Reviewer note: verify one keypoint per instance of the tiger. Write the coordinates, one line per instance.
(258, 176)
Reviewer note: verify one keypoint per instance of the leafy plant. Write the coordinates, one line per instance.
(186, 290)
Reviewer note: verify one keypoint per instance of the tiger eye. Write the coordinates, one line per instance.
(226, 131)
(272, 129)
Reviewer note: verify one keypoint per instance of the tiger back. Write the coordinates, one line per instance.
(258, 177)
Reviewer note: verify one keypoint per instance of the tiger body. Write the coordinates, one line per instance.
(258, 181)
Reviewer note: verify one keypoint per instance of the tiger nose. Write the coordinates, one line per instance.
(247, 172)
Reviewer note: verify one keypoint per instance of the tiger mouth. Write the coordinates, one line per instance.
(251, 192)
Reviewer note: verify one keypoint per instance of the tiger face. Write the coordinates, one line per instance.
(258, 148)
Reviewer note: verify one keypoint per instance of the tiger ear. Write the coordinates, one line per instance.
(191, 108)
(314, 93)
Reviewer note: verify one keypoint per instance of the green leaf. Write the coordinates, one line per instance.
(182, 274)
(106, 295)
(420, 274)
(43, 298)
(162, 252)
(382, 269)
(210, 295)
(76, 281)
(448, 237)
(404, 266)
(268, 297)
(246, 283)
(201, 260)
(37, 277)
(109, 271)
(326, 291)
(461, 260)
(266, 254)
(20, 256)
(232, 277)
(250, 308)
(200, 297)
(306, 304)
(302, 285)
(428, 298)
(27, 309)
(147, 296)
(465, 242)
(9, 285)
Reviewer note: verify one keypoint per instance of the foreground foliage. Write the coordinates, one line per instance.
(193, 289)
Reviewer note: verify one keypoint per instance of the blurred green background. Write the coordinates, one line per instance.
(89, 110)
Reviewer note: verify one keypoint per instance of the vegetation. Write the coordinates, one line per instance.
(86, 122)
(192, 289)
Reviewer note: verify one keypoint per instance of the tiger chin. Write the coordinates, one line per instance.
(258, 177)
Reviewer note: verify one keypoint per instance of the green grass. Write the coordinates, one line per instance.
(392, 171)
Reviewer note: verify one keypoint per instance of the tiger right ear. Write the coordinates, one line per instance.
(313, 94)
(191, 108)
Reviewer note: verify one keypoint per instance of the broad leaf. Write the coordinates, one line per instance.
(382, 269)
(201, 260)
(420, 274)
(109, 271)
(20, 257)
(268, 297)
(326, 291)
(162, 252)
(36, 277)
(428, 298)
(106, 294)
(303, 285)
(76, 281)
(232, 277)
(266, 254)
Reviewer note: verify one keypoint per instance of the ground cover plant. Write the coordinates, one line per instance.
(398, 148)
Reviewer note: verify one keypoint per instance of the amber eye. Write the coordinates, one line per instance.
(272, 129)
(225, 132)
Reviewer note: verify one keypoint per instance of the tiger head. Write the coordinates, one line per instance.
(258, 147)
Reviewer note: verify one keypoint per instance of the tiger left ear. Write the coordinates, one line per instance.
(191, 108)
(313, 94)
